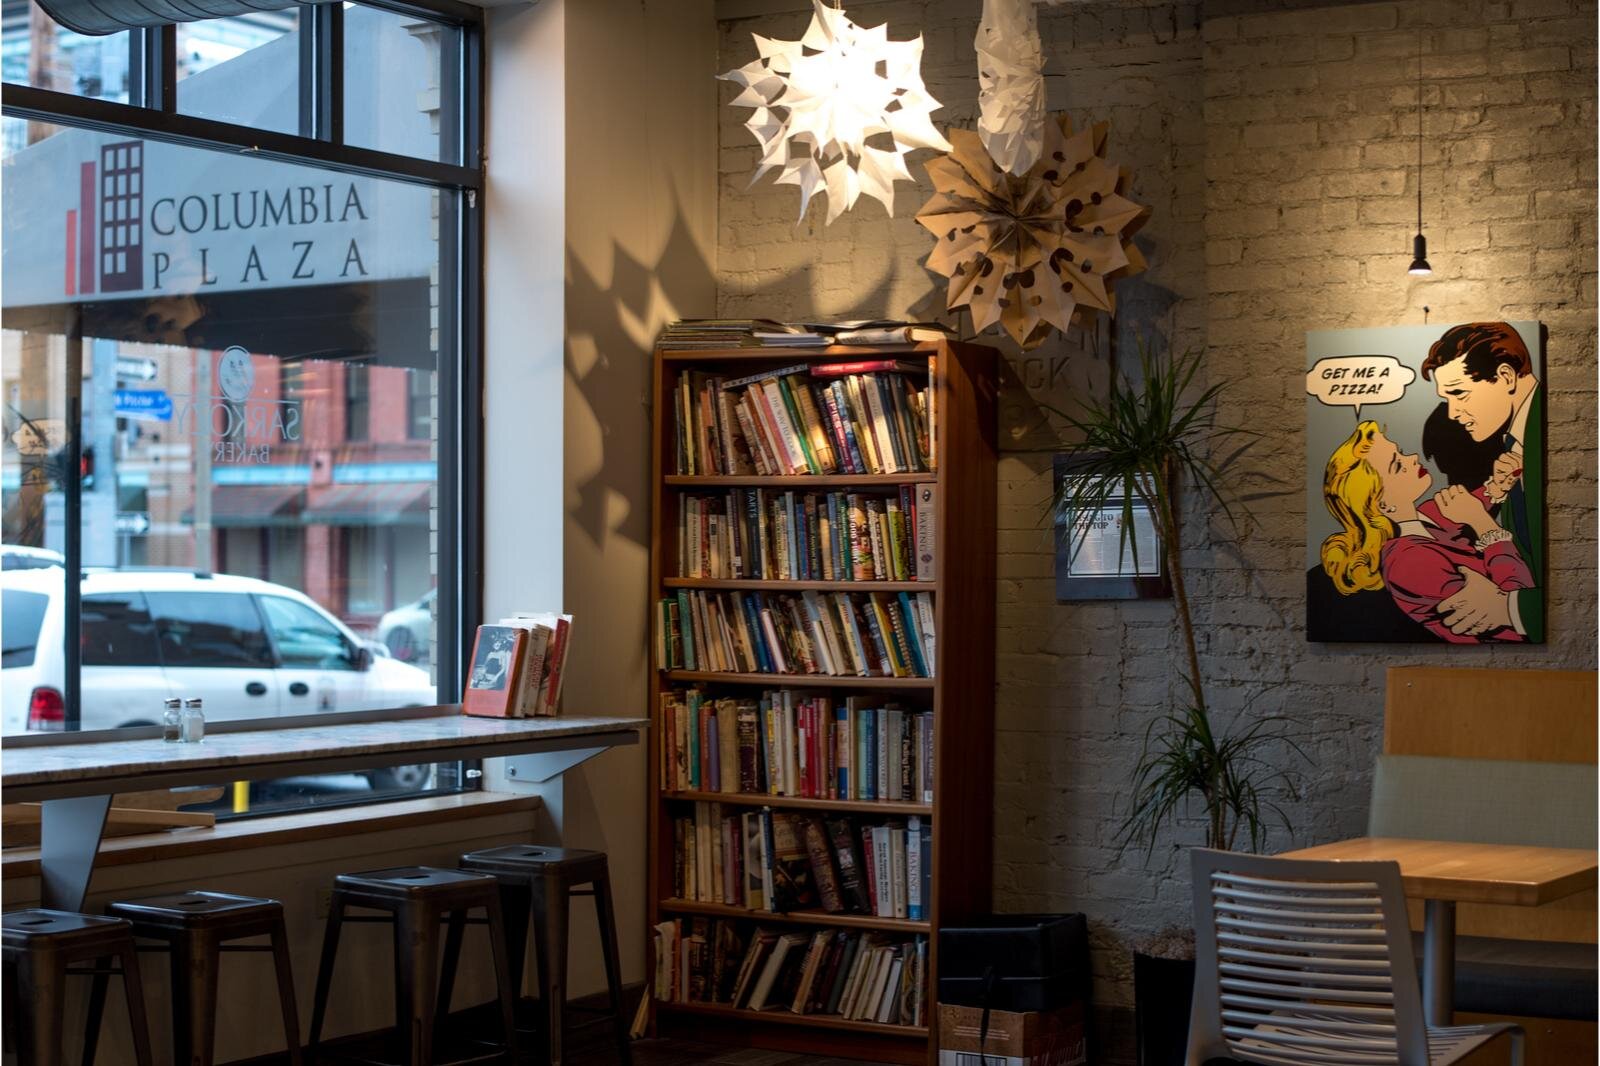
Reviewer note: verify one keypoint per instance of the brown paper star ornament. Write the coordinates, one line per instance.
(1036, 251)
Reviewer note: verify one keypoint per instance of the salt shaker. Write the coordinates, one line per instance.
(193, 722)
(171, 720)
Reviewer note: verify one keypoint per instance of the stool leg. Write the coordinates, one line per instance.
(452, 958)
(133, 993)
(550, 919)
(608, 944)
(416, 952)
(43, 985)
(97, 1008)
(286, 1003)
(502, 975)
(514, 911)
(194, 999)
(330, 951)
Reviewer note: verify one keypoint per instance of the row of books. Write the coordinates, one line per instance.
(763, 534)
(517, 667)
(864, 417)
(860, 976)
(781, 861)
(690, 334)
(838, 634)
(792, 744)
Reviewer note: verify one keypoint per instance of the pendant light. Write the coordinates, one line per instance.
(1419, 245)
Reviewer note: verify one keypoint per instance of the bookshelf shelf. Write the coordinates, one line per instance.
(788, 356)
(783, 1017)
(796, 481)
(964, 384)
(839, 921)
(803, 803)
(799, 586)
(801, 680)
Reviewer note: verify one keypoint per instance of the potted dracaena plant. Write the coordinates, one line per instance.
(1150, 440)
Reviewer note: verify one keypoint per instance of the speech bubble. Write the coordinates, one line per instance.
(1358, 380)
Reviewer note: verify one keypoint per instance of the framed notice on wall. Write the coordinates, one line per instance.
(1110, 554)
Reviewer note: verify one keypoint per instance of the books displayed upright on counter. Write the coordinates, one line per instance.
(518, 666)
(838, 634)
(863, 417)
(769, 534)
(859, 976)
(789, 743)
(779, 861)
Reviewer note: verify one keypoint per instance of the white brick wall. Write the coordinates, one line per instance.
(1277, 150)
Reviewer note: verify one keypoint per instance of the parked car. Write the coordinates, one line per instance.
(249, 648)
(405, 630)
(22, 557)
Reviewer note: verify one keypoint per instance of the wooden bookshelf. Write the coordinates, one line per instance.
(960, 694)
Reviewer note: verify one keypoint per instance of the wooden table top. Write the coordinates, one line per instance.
(1470, 873)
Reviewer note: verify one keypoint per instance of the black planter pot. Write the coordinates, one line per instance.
(1162, 991)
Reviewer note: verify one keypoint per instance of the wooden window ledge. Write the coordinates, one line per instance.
(273, 830)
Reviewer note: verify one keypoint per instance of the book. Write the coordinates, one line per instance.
(773, 970)
(493, 673)
(539, 637)
(820, 857)
(553, 672)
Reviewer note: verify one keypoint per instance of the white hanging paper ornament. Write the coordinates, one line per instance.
(1011, 93)
(817, 100)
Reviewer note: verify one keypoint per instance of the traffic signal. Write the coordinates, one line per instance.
(86, 467)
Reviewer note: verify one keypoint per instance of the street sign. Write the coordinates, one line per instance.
(150, 404)
(137, 369)
(134, 523)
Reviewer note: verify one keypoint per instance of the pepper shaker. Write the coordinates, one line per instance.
(171, 720)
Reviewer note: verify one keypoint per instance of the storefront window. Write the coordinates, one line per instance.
(221, 382)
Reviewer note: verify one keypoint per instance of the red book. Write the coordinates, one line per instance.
(497, 656)
(867, 366)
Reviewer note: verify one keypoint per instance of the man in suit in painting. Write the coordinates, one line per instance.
(1484, 374)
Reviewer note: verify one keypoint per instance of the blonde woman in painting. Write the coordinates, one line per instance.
(1419, 551)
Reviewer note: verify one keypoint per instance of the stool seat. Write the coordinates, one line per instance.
(410, 880)
(188, 910)
(519, 862)
(21, 928)
(40, 948)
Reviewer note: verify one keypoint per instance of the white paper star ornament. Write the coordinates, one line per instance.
(818, 100)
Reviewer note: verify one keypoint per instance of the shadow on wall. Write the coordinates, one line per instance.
(610, 335)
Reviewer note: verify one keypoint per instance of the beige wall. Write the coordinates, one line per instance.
(588, 258)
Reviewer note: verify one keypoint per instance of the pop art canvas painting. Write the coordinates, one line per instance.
(1425, 494)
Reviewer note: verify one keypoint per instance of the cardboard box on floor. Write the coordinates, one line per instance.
(1036, 1038)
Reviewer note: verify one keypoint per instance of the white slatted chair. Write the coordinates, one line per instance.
(1302, 963)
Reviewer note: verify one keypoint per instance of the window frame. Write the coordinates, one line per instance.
(151, 114)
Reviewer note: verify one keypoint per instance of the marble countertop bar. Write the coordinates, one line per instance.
(55, 771)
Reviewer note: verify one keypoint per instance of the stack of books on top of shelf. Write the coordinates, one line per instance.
(695, 334)
(838, 634)
(793, 744)
(764, 534)
(859, 976)
(860, 417)
(784, 862)
(518, 666)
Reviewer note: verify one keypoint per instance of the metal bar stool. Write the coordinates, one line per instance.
(416, 899)
(39, 949)
(195, 928)
(548, 877)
